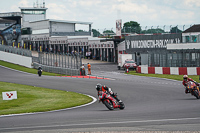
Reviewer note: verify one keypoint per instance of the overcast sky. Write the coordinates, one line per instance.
(104, 13)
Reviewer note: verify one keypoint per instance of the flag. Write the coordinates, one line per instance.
(9, 95)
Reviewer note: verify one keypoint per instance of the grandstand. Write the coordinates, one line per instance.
(10, 28)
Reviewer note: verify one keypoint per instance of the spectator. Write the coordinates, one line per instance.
(83, 70)
(89, 69)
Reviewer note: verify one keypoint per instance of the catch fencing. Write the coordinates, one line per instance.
(174, 58)
(68, 64)
(14, 50)
(58, 70)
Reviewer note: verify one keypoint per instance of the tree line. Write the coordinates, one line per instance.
(135, 28)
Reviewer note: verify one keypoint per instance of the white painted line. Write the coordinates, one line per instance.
(103, 123)
(93, 101)
(111, 79)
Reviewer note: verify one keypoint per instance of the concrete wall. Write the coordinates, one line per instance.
(38, 25)
(33, 17)
(16, 59)
(62, 27)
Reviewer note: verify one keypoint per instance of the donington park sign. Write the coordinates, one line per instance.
(152, 41)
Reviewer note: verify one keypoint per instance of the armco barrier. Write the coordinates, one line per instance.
(169, 70)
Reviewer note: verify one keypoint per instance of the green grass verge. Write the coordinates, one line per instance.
(174, 77)
(36, 99)
(25, 69)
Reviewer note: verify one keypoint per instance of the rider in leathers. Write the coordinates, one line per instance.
(104, 88)
(39, 68)
(187, 79)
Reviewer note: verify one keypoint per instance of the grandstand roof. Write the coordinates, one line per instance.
(194, 28)
(10, 14)
(6, 21)
(64, 21)
(33, 8)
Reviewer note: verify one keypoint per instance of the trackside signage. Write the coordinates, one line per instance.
(151, 43)
(9, 95)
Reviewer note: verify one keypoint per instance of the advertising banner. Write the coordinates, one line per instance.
(88, 53)
(9, 95)
(147, 42)
(118, 27)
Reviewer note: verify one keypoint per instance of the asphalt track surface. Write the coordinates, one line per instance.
(152, 104)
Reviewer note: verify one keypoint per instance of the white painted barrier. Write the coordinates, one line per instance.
(16, 59)
(144, 69)
(191, 70)
(174, 70)
(158, 70)
(169, 70)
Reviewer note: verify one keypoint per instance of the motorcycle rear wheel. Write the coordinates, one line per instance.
(109, 105)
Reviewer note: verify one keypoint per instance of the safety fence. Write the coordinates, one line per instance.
(14, 50)
(59, 70)
(68, 64)
(174, 58)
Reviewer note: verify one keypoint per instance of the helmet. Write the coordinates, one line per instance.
(185, 77)
(98, 86)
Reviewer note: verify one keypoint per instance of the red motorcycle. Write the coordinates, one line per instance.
(193, 89)
(110, 102)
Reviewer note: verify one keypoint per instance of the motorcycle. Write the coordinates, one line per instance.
(193, 89)
(39, 72)
(110, 102)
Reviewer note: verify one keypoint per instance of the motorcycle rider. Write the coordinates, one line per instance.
(104, 88)
(186, 79)
(39, 70)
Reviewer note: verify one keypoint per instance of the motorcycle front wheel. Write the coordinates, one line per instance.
(109, 104)
(39, 73)
(196, 94)
(122, 106)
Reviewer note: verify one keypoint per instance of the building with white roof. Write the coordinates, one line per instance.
(43, 34)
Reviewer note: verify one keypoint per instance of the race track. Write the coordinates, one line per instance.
(152, 104)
